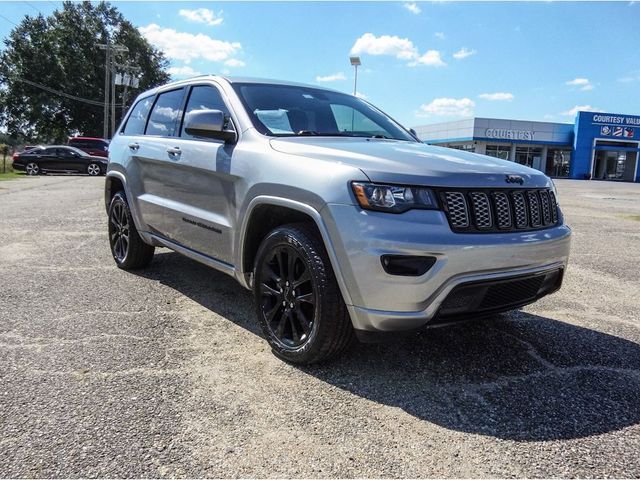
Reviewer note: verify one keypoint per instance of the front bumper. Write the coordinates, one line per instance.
(383, 302)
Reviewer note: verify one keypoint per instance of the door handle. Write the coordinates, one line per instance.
(174, 152)
(134, 146)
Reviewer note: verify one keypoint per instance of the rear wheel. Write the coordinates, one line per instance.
(297, 298)
(127, 247)
(32, 168)
(93, 169)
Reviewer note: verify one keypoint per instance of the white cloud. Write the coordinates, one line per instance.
(331, 78)
(634, 77)
(463, 53)
(186, 46)
(579, 108)
(497, 97)
(432, 58)
(413, 8)
(583, 83)
(447, 107)
(440, 35)
(401, 48)
(202, 15)
(234, 62)
(181, 72)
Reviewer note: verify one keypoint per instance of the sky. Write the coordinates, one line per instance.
(422, 62)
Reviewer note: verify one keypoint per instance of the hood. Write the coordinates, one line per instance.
(411, 163)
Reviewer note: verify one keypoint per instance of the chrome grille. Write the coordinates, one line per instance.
(500, 210)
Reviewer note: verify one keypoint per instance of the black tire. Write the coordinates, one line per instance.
(312, 325)
(127, 247)
(94, 169)
(32, 168)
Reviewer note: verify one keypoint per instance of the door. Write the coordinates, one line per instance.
(202, 188)
(48, 160)
(153, 167)
(69, 160)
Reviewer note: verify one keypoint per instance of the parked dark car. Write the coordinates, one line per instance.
(97, 147)
(58, 158)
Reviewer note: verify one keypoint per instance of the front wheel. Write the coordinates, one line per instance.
(32, 168)
(127, 247)
(297, 298)
(93, 169)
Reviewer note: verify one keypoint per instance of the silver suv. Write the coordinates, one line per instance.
(339, 219)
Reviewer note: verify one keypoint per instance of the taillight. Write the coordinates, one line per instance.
(15, 156)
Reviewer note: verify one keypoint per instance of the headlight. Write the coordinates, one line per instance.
(393, 198)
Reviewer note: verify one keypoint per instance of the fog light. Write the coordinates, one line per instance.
(407, 265)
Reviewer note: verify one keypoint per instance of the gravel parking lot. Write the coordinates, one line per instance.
(165, 373)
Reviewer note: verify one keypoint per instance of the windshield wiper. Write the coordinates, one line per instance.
(322, 134)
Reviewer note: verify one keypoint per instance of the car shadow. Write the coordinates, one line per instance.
(519, 376)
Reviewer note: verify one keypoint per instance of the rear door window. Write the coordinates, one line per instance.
(165, 114)
(138, 118)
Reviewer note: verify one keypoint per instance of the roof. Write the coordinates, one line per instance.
(88, 138)
(264, 81)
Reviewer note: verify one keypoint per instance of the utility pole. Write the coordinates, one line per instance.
(126, 79)
(109, 88)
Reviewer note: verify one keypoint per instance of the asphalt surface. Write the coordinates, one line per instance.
(165, 373)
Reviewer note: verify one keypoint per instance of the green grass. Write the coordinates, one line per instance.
(633, 217)
(10, 175)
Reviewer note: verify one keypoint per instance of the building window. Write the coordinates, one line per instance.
(558, 161)
(498, 151)
(528, 156)
(467, 147)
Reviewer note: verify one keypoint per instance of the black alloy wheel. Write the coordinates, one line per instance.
(288, 296)
(119, 232)
(297, 298)
(127, 247)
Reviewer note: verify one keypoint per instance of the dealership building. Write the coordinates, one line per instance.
(602, 146)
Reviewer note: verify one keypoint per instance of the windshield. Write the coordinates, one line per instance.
(286, 110)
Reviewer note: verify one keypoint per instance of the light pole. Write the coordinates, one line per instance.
(355, 61)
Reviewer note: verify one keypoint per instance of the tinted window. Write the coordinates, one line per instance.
(287, 110)
(205, 98)
(165, 114)
(138, 118)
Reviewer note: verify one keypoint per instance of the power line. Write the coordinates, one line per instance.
(10, 21)
(61, 93)
(34, 7)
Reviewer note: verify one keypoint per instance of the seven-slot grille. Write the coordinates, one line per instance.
(500, 210)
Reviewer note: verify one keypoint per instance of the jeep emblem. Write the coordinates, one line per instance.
(515, 179)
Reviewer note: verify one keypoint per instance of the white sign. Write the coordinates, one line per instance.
(616, 119)
(509, 134)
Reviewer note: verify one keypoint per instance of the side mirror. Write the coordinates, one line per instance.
(414, 133)
(208, 124)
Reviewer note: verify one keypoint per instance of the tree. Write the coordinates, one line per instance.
(59, 53)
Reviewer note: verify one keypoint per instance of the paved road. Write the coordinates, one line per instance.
(164, 372)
